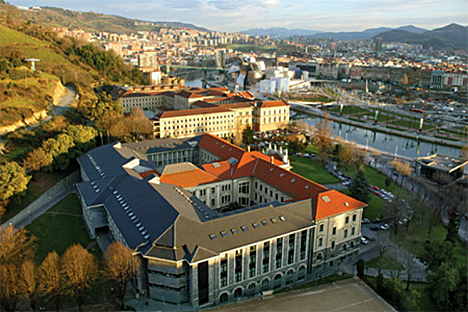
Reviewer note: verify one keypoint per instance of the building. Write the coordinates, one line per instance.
(223, 120)
(165, 200)
(146, 97)
(439, 168)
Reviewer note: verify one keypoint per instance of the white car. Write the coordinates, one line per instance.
(363, 240)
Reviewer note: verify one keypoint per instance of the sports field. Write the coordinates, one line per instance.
(348, 295)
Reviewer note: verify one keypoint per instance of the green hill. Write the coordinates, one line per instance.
(61, 59)
(96, 22)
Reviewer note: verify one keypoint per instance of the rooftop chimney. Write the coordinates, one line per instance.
(272, 159)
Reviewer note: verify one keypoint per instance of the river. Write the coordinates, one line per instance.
(384, 142)
(381, 141)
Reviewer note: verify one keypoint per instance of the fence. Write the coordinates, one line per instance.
(65, 185)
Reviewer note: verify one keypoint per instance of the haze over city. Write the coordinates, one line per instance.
(233, 16)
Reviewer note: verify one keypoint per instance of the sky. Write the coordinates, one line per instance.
(241, 15)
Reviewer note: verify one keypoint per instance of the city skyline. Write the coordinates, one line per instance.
(228, 16)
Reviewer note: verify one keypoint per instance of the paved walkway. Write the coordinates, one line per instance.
(29, 217)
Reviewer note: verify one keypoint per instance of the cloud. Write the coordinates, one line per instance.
(268, 4)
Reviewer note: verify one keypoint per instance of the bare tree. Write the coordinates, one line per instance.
(79, 270)
(409, 263)
(50, 276)
(30, 282)
(360, 158)
(383, 246)
(323, 138)
(122, 267)
(10, 291)
(346, 155)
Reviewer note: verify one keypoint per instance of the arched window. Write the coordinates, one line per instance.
(351, 245)
(289, 277)
(319, 256)
(277, 281)
(265, 284)
(301, 273)
(223, 298)
(238, 292)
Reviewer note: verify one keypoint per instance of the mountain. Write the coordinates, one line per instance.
(412, 29)
(279, 32)
(351, 35)
(452, 36)
(96, 22)
(365, 34)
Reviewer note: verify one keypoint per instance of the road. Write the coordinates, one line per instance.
(64, 104)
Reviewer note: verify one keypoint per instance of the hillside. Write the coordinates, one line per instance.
(95, 22)
(25, 93)
(452, 36)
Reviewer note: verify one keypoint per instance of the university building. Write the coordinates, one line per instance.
(171, 201)
(183, 112)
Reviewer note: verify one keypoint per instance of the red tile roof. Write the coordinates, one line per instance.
(271, 104)
(332, 202)
(286, 181)
(220, 147)
(196, 111)
(189, 178)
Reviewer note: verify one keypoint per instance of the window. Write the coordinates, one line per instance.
(334, 230)
(279, 252)
(266, 257)
(352, 231)
(321, 228)
(320, 242)
(354, 217)
(333, 245)
(238, 266)
(347, 220)
(223, 271)
(345, 233)
(244, 187)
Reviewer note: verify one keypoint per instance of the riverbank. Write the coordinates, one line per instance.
(376, 127)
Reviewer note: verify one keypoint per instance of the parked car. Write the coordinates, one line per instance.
(384, 227)
(363, 240)
(365, 221)
(376, 220)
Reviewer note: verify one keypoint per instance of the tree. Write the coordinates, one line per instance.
(359, 187)
(30, 282)
(13, 180)
(346, 155)
(10, 291)
(394, 211)
(437, 252)
(322, 139)
(360, 267)
(37, 159)
(442, 285)
(409, 263)
(360, 158)
(248, 135)
(79, 270)
(403, 169)
(15, 245)
(51, 278)
(122, 267)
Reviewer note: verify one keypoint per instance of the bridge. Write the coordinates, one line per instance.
(190, 68)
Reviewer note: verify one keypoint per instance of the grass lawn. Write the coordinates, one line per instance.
(41, 182)
(416, 236)
(59, 228)
(386, 263)
(312, 170)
